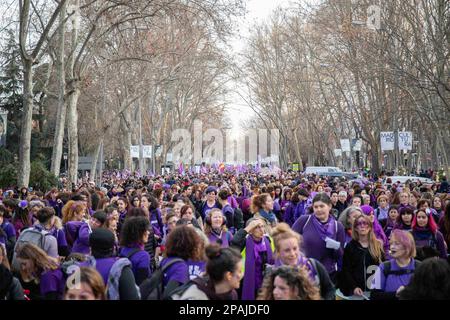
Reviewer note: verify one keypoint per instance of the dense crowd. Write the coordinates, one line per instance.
(226, 236)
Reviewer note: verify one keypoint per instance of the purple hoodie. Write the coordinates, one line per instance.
(81, 245)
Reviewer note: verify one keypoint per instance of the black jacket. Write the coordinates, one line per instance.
(355, 268)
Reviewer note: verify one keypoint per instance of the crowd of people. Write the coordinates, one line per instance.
(227, 236)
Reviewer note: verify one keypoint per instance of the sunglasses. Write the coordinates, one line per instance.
(362, 224)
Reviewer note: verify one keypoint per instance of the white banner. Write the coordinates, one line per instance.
(405, 139)
(147, 151)
(345, 145)
(169, 157)
(387, 140)
(337, 152)
(134, 151)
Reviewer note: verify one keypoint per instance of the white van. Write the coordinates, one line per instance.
(322, 170)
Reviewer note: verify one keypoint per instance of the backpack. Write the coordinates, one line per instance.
(115, 273)
(387, 269)
(153, 288)
(30, 235)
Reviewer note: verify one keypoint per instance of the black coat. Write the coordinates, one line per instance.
(355, 268)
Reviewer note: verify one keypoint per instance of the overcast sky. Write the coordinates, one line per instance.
(258, 11)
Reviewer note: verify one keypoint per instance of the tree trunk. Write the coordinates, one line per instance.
(61, 113)
(128, 162)
(23, 177)
(72, 126)
(375, 160)
(95, 160)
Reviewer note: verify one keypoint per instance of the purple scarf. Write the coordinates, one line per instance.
(253, 253)
(327, 229)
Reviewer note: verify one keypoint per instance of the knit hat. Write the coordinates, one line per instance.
(101, 241)
(211, 189)
(366, 209)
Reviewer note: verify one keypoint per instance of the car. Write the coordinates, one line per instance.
(403, 179)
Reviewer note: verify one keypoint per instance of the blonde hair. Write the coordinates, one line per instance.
(281, 232)
(208, 226)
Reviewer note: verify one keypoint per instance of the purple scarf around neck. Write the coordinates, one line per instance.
(327, 229)
(253, 249)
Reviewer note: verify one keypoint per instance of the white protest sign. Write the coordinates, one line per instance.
(405, 140)
(387, 140)
(147, 151)
(134, 151)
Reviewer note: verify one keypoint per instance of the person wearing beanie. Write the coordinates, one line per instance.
(103, 258)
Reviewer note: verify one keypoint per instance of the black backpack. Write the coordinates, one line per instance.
(387, 269)
(153, 288)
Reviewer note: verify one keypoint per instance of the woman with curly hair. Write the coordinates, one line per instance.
(135, 233)
(288, 283)
(183, 246)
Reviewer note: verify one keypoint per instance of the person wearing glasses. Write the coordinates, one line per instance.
(361, 253)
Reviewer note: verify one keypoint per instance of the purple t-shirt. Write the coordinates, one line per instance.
(139, 260)
(52, 281)
(81, 244)
(196, 268)
(103, 266)
(9, 231)
(60, 237)
(393, 281)
(179, 271)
